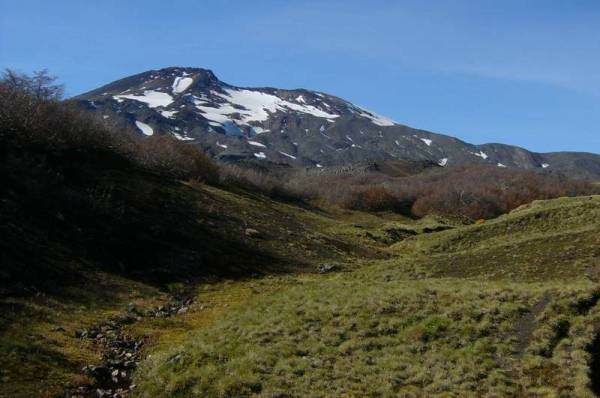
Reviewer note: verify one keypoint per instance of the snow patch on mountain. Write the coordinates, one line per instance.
(181, 137)
(311, 110)
(144, 128)
(180, 84)
(375, 118)
(218, 115)
(168, 114)
(481, 154)
(288, 155)
(259, 106)
(153, 98)
(260, 155)
(442, 162)
(250, 106)
(256, 143)
(259, 130)
(426, 141)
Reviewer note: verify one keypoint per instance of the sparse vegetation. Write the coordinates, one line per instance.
(233, 176)
(375, 198)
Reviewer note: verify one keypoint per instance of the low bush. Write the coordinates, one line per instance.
(32, 115)
(476, 191)
(487, 191)
(374, 198)
(172, 157)
(259, 182)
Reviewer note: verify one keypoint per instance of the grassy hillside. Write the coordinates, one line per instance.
(431, 320)
(78, 290)
(539, 241)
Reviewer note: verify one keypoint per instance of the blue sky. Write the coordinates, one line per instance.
(520, 72)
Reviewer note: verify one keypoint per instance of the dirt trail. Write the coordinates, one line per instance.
(527, 324)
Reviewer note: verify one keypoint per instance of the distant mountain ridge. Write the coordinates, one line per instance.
(295, 127)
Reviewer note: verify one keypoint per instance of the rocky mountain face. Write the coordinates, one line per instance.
(294, 127)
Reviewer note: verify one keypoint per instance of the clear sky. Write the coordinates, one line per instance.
(520, 72)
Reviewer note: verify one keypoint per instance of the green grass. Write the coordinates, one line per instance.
(552, 239)
(351, 336)
(504, 308)
(38, 359)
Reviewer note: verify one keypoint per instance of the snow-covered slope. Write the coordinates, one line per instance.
(295, 127)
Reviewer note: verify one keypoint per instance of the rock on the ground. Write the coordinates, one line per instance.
(252, 233)
(328, 267)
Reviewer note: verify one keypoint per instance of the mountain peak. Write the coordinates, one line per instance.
(202, 74)
(295, 127)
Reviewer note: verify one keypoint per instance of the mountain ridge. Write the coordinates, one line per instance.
(297, 127)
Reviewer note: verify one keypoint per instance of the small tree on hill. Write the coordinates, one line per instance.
(40, 85)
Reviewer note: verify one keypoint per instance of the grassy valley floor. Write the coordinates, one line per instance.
(505, 308)
(425, 307)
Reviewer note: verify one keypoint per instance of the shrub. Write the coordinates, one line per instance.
(374, 198)
(477, 191)
(487, 191)
(32, 115)
(258, 182)
(169, 156)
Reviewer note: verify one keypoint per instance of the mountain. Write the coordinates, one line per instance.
(295, 127)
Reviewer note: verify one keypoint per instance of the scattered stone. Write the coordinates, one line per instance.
(252, 233)
(325, 268)
(81, 334)
(121, 352)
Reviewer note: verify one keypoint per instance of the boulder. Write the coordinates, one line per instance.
(252, 233)
(328, 267)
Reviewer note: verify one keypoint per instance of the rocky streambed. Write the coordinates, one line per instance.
(121, 352)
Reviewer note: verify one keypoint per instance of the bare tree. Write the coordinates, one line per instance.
(41, 85)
